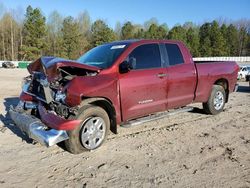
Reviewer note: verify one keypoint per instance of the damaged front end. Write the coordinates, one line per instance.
(42, 112)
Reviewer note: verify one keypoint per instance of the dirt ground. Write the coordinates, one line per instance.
(190, 149)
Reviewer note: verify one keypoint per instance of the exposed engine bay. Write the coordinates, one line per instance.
(53, 94)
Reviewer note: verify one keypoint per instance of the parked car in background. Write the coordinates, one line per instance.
(8, 65)
(243, 72)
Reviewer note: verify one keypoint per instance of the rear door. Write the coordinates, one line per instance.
(143, 89)
(181, 80)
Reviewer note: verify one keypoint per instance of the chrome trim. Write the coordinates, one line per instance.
(36, 130)
(25, 89)
(20, 106)
(30, 105)
(218, 100)
(35, 96)
(146, 101)
(236, 87)
(155, 117)
(93, 132)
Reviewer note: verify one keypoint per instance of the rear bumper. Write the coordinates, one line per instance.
(36, 130)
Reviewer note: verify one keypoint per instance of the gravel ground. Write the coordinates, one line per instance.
(190, 149)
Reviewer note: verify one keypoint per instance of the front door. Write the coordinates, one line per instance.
(143, 89)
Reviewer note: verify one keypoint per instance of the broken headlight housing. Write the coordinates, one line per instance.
(60, 96)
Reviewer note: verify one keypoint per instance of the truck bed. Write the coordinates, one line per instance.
(211, 72)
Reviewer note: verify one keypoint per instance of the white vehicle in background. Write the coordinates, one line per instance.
(244, 70)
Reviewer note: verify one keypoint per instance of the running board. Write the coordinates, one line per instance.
(156, 116)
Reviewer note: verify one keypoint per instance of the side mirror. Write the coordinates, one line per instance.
(126, 66)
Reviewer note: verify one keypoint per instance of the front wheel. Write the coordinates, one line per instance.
(92, 131)
(216, 101)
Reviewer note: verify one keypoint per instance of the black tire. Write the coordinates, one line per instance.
(216, 101)
(88, 113)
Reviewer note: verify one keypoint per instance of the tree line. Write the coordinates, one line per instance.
(68, 37)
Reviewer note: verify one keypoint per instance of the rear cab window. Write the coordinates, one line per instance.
(174, 54)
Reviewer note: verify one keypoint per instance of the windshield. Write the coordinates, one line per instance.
(103, 56)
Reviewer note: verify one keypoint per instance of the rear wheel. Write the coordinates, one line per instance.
(92, 131)
(216, 101)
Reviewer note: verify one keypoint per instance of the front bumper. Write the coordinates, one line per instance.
(49, 130)
(36, 130)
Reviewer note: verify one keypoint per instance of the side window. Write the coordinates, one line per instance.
(174, 54)
(146, 56)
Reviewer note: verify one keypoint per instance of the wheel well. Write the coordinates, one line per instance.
(107, 106)
(224, 83)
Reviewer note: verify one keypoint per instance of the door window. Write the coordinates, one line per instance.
(146, 56)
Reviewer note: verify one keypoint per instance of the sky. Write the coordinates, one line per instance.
(171, 12)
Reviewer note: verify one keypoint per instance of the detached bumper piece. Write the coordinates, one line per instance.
(36, 130)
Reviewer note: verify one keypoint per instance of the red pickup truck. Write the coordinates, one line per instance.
(78, 102)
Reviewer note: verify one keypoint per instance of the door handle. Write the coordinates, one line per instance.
(161, 75)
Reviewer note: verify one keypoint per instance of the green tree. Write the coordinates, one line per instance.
(242, 41)
(248, 45)
(152, 32)
(177, 33)
(156, 32)
(193, 41)
(188, 25)
(127, 31)
(224, 31)
(149, 22)
(205, 43)
(218, 43)
(138, 31)
(231, 37)
(34, 34)
(140, 34)
(71, 38)
(165, 26)
(101, 33)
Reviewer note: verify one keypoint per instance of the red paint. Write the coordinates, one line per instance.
(50, 65)
(142, 85)
(184, 84)
(56, 122)
(26, 97)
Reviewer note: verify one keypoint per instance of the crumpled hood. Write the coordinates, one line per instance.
(50, 65)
